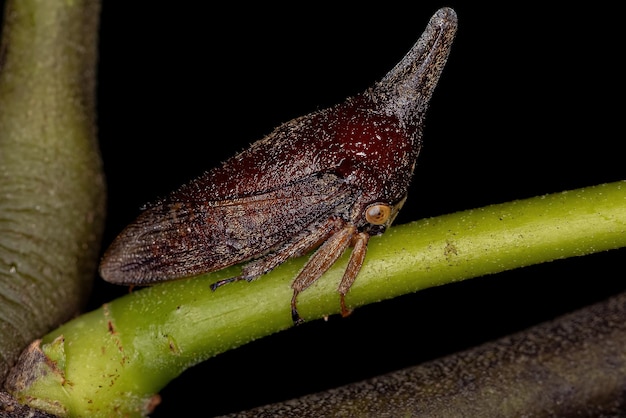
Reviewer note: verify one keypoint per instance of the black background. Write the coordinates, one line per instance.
(527, 105)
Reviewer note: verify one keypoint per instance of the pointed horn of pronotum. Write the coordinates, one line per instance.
(408, 87)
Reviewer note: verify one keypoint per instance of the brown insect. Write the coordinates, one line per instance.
(327, 180)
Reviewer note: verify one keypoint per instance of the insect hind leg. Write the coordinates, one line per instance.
(222, 282)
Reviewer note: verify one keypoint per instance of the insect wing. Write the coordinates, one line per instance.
(181, 239)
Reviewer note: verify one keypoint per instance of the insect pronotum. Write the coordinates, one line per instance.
(326, 181)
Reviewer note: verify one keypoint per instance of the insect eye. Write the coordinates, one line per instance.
(378, 213)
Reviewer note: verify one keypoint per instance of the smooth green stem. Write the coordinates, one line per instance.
(115, 359)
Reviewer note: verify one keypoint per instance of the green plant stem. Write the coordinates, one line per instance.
(118, 357)
(52, 192)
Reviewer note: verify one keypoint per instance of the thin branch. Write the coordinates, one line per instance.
(118, 357)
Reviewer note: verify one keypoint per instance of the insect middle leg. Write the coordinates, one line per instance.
(290, 249)
(321, 261)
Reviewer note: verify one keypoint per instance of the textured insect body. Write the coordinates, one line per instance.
(327, 180)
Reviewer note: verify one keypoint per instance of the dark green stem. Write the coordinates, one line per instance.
(51, 182)
(573, 366)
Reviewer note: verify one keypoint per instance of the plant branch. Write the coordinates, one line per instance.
(52, 192)
(118, 357)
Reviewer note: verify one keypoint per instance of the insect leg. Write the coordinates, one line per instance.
(319, 262)
(359, 242)
(294, 248)
(222, 282)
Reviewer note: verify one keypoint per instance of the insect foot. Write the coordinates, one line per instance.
(325, 181)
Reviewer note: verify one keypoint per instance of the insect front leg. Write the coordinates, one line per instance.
(319, 263)
(359, 242)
